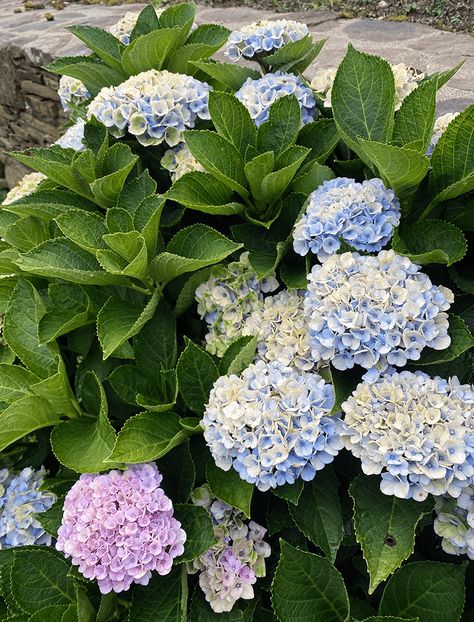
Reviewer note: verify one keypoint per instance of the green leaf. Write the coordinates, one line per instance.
(150, 51)
(119, 320)
(54, 613)
(431, 591)
(160, 600)
(308, 587)
(256, 170)
(344, 383)
(155, 346)
(135, 190)
(81, 444)
(290, 54)
(197, 524)
(147, 436)
(232, 76)
(294, 271)
(147, 220)
(105, 45)
(275, 184)
(186, 297)
(281, 129)
(461, 340)
(384, 526)
(52, 518)
(204, 193)
(15, 382)
(414, 121)
(238, 356)
(197, 372)
(48, 204)
(318, 513)
(389, 619)
(83, 228)
(71, 308)
(94, 73)
(147, 22)
(363, 99)
(23, 417)
(202, 612)
(227, 486)
(131, 247)
(26, 233)
(232, 120)
(219, 157)
(177, 468)
(321, 137)
(118, 162)
(190, 249)
(290, 492)
(430, 241)
(40, 579)
(57, 391)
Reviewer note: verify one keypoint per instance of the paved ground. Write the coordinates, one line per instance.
(418, 45)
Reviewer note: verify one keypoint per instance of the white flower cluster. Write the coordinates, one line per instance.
(154, 106)
(271, 424)
(231, 566)
(72, 90)
(454, 523)
(123, 28)
(26, 186)
(322, 83)
(263, 37)
(440, 126)
(415, 430)
(374, 311)
(179, 161)
(73, 137)
(227, 298)
(278, 322)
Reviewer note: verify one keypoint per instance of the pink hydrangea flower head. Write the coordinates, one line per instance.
(118, 527)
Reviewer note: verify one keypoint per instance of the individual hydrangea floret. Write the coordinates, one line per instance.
(454, 523)
(227, 298)
(282, 332)
(21, 500)
(258, 95)
(322, 83)
(271, 424)
(415, 430)
(231, 566)
(154, 106)
(118, 527)
(26, 186)
(72, 91)
(440, 126)
(263, 37)
(363, 214)
(374, 311)
(73, 137)
(179, 161)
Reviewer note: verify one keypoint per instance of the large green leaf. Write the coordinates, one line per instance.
(93, 72)
(414, 121)
(70, 308)
(274, 184)
(427, 590)
(281, 129)
(228, 486)
(308, 587)
(203, 192)
(290, 492)
(161, 599)
(105, 45)
(238, 355)
(150, 51)
(15, 382)
(118, 162)
(232, 120)
(197, 372)
(26, 233)
(24, 416)
(321, 137)
(83, 228)
(155, 346)
(228, 74)
(430, 241)
(197, 524)
(48, 204)
(384, 526)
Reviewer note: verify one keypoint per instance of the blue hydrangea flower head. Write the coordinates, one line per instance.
(454, 522)
(179, 161)
(73, 137)
(72, 90)
(271, 424)
(414, 430)
(263, 37)
(21, 500)
(154, 106)
(363, 214)
(258, 95)
(374, 311)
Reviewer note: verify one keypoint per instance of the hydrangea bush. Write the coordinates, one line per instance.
(236, 303)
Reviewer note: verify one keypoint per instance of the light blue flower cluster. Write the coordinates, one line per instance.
(263, 37)
(179, 161)
(231, 566)
(21, 500)
(374, 311)
(271, 424)
(258, 95)
(454, 522)
(363, 214)
(415, 430)
(72, 91)
(154, 106)
(73, 137)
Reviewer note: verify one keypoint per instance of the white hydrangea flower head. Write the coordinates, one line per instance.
(72, 90)
(231, 566)
(73, 137)
(272, 424)
(454, 523)
(374, 311)
(179, 161)
(278, 322)
(227, 298)
(322, 84)
(263, 37)
(123, 28)
(154, 106)
(26, 186)
(415, 430)
(440, 126)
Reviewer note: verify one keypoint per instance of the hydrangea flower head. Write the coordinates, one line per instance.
(454, 523)
(26, 186)
(118, 527)
(440, 126)
(374, 311)
(258, 95)
(281, 329)
(21, 500)
(415, 430)
(363, 214)
(154, 106)
(263, 37)
(73, 137)
(227, 298)
(123, 28)
(271, 424)
(72, 90)
(231, 566)
(322, 83)
(179, 161)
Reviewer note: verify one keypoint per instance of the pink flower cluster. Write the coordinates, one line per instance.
(119, 526)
